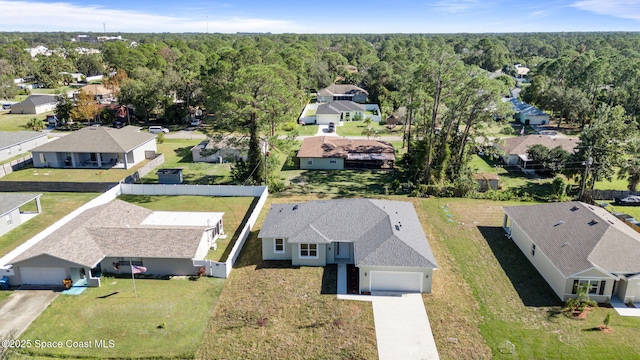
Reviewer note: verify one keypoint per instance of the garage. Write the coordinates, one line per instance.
(408, 282)
(42, 275)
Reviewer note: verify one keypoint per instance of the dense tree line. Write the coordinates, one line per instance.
(443, 85)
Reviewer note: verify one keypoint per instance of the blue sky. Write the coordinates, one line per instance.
(275, 16)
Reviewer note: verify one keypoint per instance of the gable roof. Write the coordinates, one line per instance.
(520, 144)
(37, 100)
(337, 147)
(338, 107)
(99, 139)
(521, 107)
(8, 139)
(96, 89)
(10, 201)
(576, 237)
(342, 89)
(115, 229)
(384, 232)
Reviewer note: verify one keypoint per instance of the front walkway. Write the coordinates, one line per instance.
(622, 309)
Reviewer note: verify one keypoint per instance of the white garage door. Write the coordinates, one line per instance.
(42, 275)
(396, 281)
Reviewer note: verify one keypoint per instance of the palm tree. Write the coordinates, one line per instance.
(35, 124)
(368, 132)
(631, 170)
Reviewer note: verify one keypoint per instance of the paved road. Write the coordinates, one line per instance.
(20, 309)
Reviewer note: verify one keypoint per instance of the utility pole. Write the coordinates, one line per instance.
(587, 164)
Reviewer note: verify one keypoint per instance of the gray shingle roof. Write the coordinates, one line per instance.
(573, 242)
(37, 100)
(384, 233)
(8, 202)
(8, 139)
(342, 89)
(98, 139)
(337, 107)
(114, 229)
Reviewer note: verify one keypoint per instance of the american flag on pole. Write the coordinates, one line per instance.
(138, 269)
(522, 131)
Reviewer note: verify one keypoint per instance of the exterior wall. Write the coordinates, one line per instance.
(297, 261)
(47, 159)
(321, 164)
(15, 221)
(268, 250)
(203, 248)
(364, 279)
(331, 254)
(533, 119)
(549, 272)
(139, 152)
(328, 98)
(629, 289)
(360, 98)
(155, 266)
(42, 261)
(23, 147)
(45, 107)
(325, 119)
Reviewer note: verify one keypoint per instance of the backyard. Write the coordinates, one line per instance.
(17, 122)
(355, 128)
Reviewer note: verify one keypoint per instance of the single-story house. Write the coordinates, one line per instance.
(111, 237)
(218, 152)
(514, 150)
(337, 111)
(98, 91)
(35, 104)
(18, 142)
(528, 114)
(573, 243)
(348, 92)
(383, 239)
(10, 214)
(336, 153)
(97, 147)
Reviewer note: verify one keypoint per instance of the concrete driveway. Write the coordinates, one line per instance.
(21, 308)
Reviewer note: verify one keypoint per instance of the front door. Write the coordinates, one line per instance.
(342, 250)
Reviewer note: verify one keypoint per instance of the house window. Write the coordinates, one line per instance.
(9, 220)
(278, 245)
(533, 249)
(592, 286)
(332, 161)
(308, 250)
(309, 162)
(42, 158)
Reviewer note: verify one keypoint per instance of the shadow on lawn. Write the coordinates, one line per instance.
(330, 279)
(530, 285)
(185, 154)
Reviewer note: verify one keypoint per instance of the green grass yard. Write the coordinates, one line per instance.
(54, 207)
(308, 130)
(17, 122)
(166, 320)
(336, 183)
(354, 128)
(30, 173)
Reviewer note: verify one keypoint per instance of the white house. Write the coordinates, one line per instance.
(383, 239)
(573, 243)
(528, 114)
(11, 215)
(35, 104)
(19, 142)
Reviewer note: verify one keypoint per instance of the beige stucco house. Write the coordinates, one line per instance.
(573, 243)
(110, 237)
(97, 147)
(383, 239)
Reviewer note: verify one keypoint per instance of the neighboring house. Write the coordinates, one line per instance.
(337, 92)
(335, 153)
(217, 152)
(338, 111)
(383, 239)
(16, 143)
(514, 151)
(97, 147)
(107, 238)
(99, 92)
(77, 77)
(10, 214)
(528, 114)
(35, 104)
(521, 71)
(573, 243)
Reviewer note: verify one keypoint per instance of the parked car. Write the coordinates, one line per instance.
(158, 129)
(6, 106)
(332, 127)
(631, 200)
(196, 122)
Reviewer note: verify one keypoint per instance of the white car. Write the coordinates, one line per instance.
(158, 129)
(196, 122)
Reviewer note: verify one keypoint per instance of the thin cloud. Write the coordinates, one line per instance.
(63, 16)
(457, 6)
(539, 14)
(626, 9)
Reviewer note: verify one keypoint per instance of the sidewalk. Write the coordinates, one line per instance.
(622, 309)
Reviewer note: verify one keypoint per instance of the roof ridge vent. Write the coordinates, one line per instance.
(593, 222)
(574, 208)
(559, 223)
(295, 207)
(565, 244)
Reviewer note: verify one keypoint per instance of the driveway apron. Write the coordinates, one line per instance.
(21, 308)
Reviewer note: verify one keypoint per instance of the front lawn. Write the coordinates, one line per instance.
(308, 130)
(54, 207)
(18, 122)
(502, 296)
(177, 154)
(271, 310)
(165, 320)
(235, 209)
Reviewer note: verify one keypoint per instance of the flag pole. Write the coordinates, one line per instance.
(133, 278)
